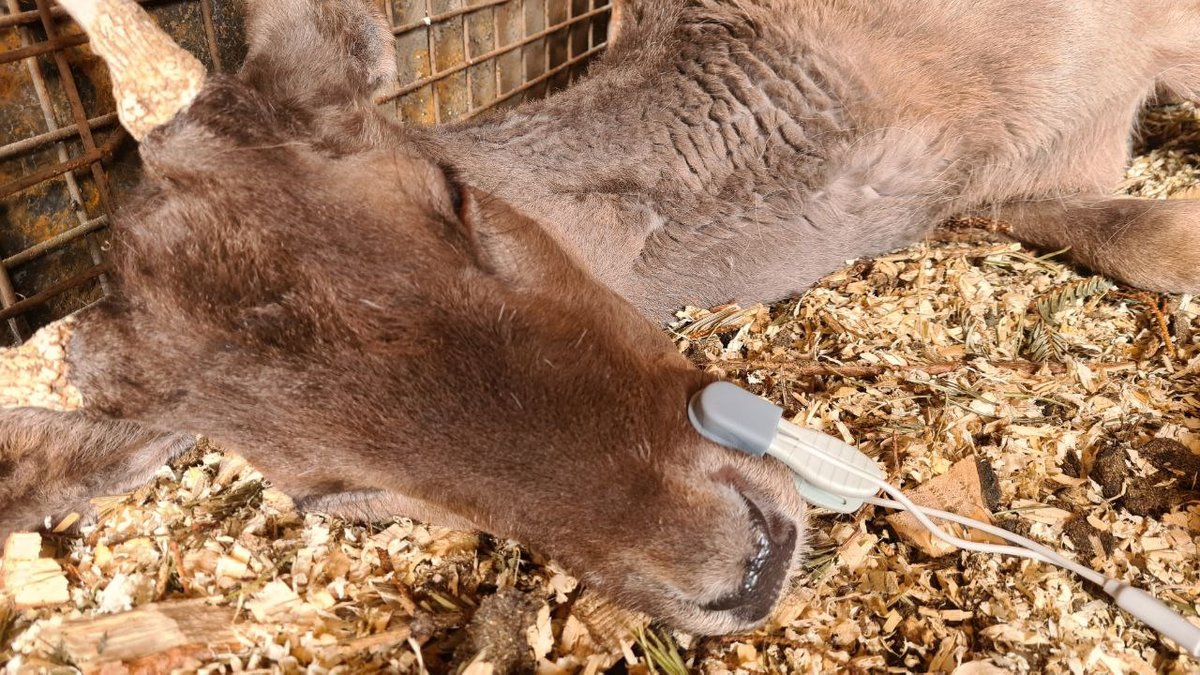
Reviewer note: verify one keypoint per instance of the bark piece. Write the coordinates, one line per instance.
(960, 491)
(146, 639)
(608, 624)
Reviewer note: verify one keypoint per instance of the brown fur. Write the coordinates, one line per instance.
(451, 323)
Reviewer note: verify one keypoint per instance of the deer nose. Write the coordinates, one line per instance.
(773, 543)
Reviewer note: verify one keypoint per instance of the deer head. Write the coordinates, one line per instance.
(301, 281)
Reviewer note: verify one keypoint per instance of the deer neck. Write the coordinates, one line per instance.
(651, 169)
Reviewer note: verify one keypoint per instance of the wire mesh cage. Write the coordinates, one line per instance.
(66, 165)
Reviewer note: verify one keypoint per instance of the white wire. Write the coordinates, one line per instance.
(1141, 604)
(1040, 553)
(1028, 549)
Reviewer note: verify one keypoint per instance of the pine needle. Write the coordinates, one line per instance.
(662, 654)
(1044, 338)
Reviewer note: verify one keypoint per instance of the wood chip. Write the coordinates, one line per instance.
(35, 374)
(30, 580)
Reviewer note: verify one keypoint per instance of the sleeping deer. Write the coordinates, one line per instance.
(461, 323)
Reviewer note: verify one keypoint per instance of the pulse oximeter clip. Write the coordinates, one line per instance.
(834, 475)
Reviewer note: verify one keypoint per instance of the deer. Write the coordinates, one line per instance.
(462, 324)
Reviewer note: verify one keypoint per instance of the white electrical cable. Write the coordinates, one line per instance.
(839, 477)
(1137, 602)
(1037, 551)
(788, 454)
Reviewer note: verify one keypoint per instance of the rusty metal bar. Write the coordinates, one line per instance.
(60, 134)
(433, 90)
(466, 40)
(540, 78)
(522, 66)
(210, 33)
(570, 41)
(79, 162)
(495, 45)
(42, 48)
(409, 88)
(57, 289)
(61, 239)
(546, 42)
(31, 16)
(445, 16)
(18, 328)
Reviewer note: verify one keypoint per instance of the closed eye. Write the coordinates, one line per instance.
(454, 187)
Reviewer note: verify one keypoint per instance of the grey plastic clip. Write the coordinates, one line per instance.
(725, 413)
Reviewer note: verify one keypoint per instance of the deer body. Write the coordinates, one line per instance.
(452, 323)
(746, 152)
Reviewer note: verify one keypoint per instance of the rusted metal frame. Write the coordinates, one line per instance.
(61, 239)
(55, 290)
(82, 126)
(41, 48)
(60, 134)
(85, 135)
(541, 78)
(18, 328)
(77, 110)
(43, 96)
(14, 186)
(429, 20)
(210, 32)
(409, 88)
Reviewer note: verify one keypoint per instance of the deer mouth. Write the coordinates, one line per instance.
(766, 569)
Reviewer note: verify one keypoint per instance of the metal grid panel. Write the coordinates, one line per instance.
(65, 163)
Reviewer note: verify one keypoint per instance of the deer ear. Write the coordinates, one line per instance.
(513, 246)
(516, 249)
(319, 51)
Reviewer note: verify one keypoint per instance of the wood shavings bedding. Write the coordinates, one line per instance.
(1081, 398)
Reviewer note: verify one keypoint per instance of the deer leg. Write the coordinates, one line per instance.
(1148, 243)
(53, 463)
(54, 455)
